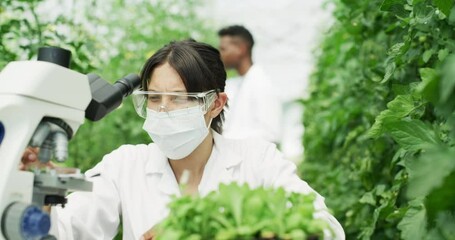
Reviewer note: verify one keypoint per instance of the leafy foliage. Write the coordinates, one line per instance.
(380, 121)
(238, 212)
(23, 31)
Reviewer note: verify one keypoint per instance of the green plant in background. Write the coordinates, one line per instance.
(238, 212)
(380, 121)
(23, 31)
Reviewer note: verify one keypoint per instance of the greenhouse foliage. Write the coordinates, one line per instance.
(380, 121)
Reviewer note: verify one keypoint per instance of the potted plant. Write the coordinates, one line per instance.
(239, 212)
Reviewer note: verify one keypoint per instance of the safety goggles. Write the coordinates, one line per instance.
(171, 101)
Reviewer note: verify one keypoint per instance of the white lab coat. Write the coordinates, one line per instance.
(136, 182)
(254, 109)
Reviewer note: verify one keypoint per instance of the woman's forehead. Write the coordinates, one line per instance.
(166, 79)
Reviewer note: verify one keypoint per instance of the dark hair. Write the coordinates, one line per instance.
(238, 31)
(198, 64)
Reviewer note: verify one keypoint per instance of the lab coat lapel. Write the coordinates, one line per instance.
(168, 184)
(228, 160)
(159, 164)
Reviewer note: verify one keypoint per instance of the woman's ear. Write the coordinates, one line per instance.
(218, 104)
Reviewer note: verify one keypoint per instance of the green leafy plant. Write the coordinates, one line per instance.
(379, 124)
(238, 212)
(23, 30)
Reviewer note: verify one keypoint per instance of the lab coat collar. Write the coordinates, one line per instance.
(230, 158)
(158, 162)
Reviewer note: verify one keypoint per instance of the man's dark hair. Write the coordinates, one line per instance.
(238, 31)
(198, 64)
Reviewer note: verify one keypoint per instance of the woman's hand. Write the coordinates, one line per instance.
(30, 159)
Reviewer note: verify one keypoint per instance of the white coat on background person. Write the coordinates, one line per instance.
(254, 110)
(137, 182)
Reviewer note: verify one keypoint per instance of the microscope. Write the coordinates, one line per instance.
(42, 104)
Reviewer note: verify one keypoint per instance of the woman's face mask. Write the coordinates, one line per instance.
(177, 133)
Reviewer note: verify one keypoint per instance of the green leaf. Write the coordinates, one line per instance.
(442, 54)
(444, 5)
(394, 6)
(397, 214)
(429, 171)
(427, 55)
(429, 87)
(437, 200)
(389, 70)
(423, 13)
(415, 2)
(397, 49)
(413, 225)
(427, 74)
(452, 16)
(445, 223)
(401, 106)
(412, 134)
(368, 198)
(448, 79)
(398, 108)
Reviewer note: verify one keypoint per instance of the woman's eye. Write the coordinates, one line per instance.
(180, 99)
(154, 98)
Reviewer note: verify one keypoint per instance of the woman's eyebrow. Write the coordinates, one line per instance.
(174, 91)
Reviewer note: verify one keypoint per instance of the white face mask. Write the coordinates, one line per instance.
(177, 133)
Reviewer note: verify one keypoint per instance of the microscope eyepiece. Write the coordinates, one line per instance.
(107, 97)
(55, 55)
(127, 84)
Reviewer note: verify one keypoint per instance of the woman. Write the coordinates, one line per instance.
(182, 104)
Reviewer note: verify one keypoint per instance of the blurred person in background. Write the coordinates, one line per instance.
(254, 110)
(181, 100)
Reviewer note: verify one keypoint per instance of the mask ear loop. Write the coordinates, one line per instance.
(210, 124)
(209, 99)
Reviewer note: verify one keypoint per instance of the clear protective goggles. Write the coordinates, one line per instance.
(171, 101)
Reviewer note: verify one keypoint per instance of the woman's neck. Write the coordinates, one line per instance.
(194, 163)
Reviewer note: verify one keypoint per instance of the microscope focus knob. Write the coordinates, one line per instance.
(24, 221)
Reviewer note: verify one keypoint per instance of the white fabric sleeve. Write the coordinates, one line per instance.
(268, 108)
(90, 215)
(279, 172)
